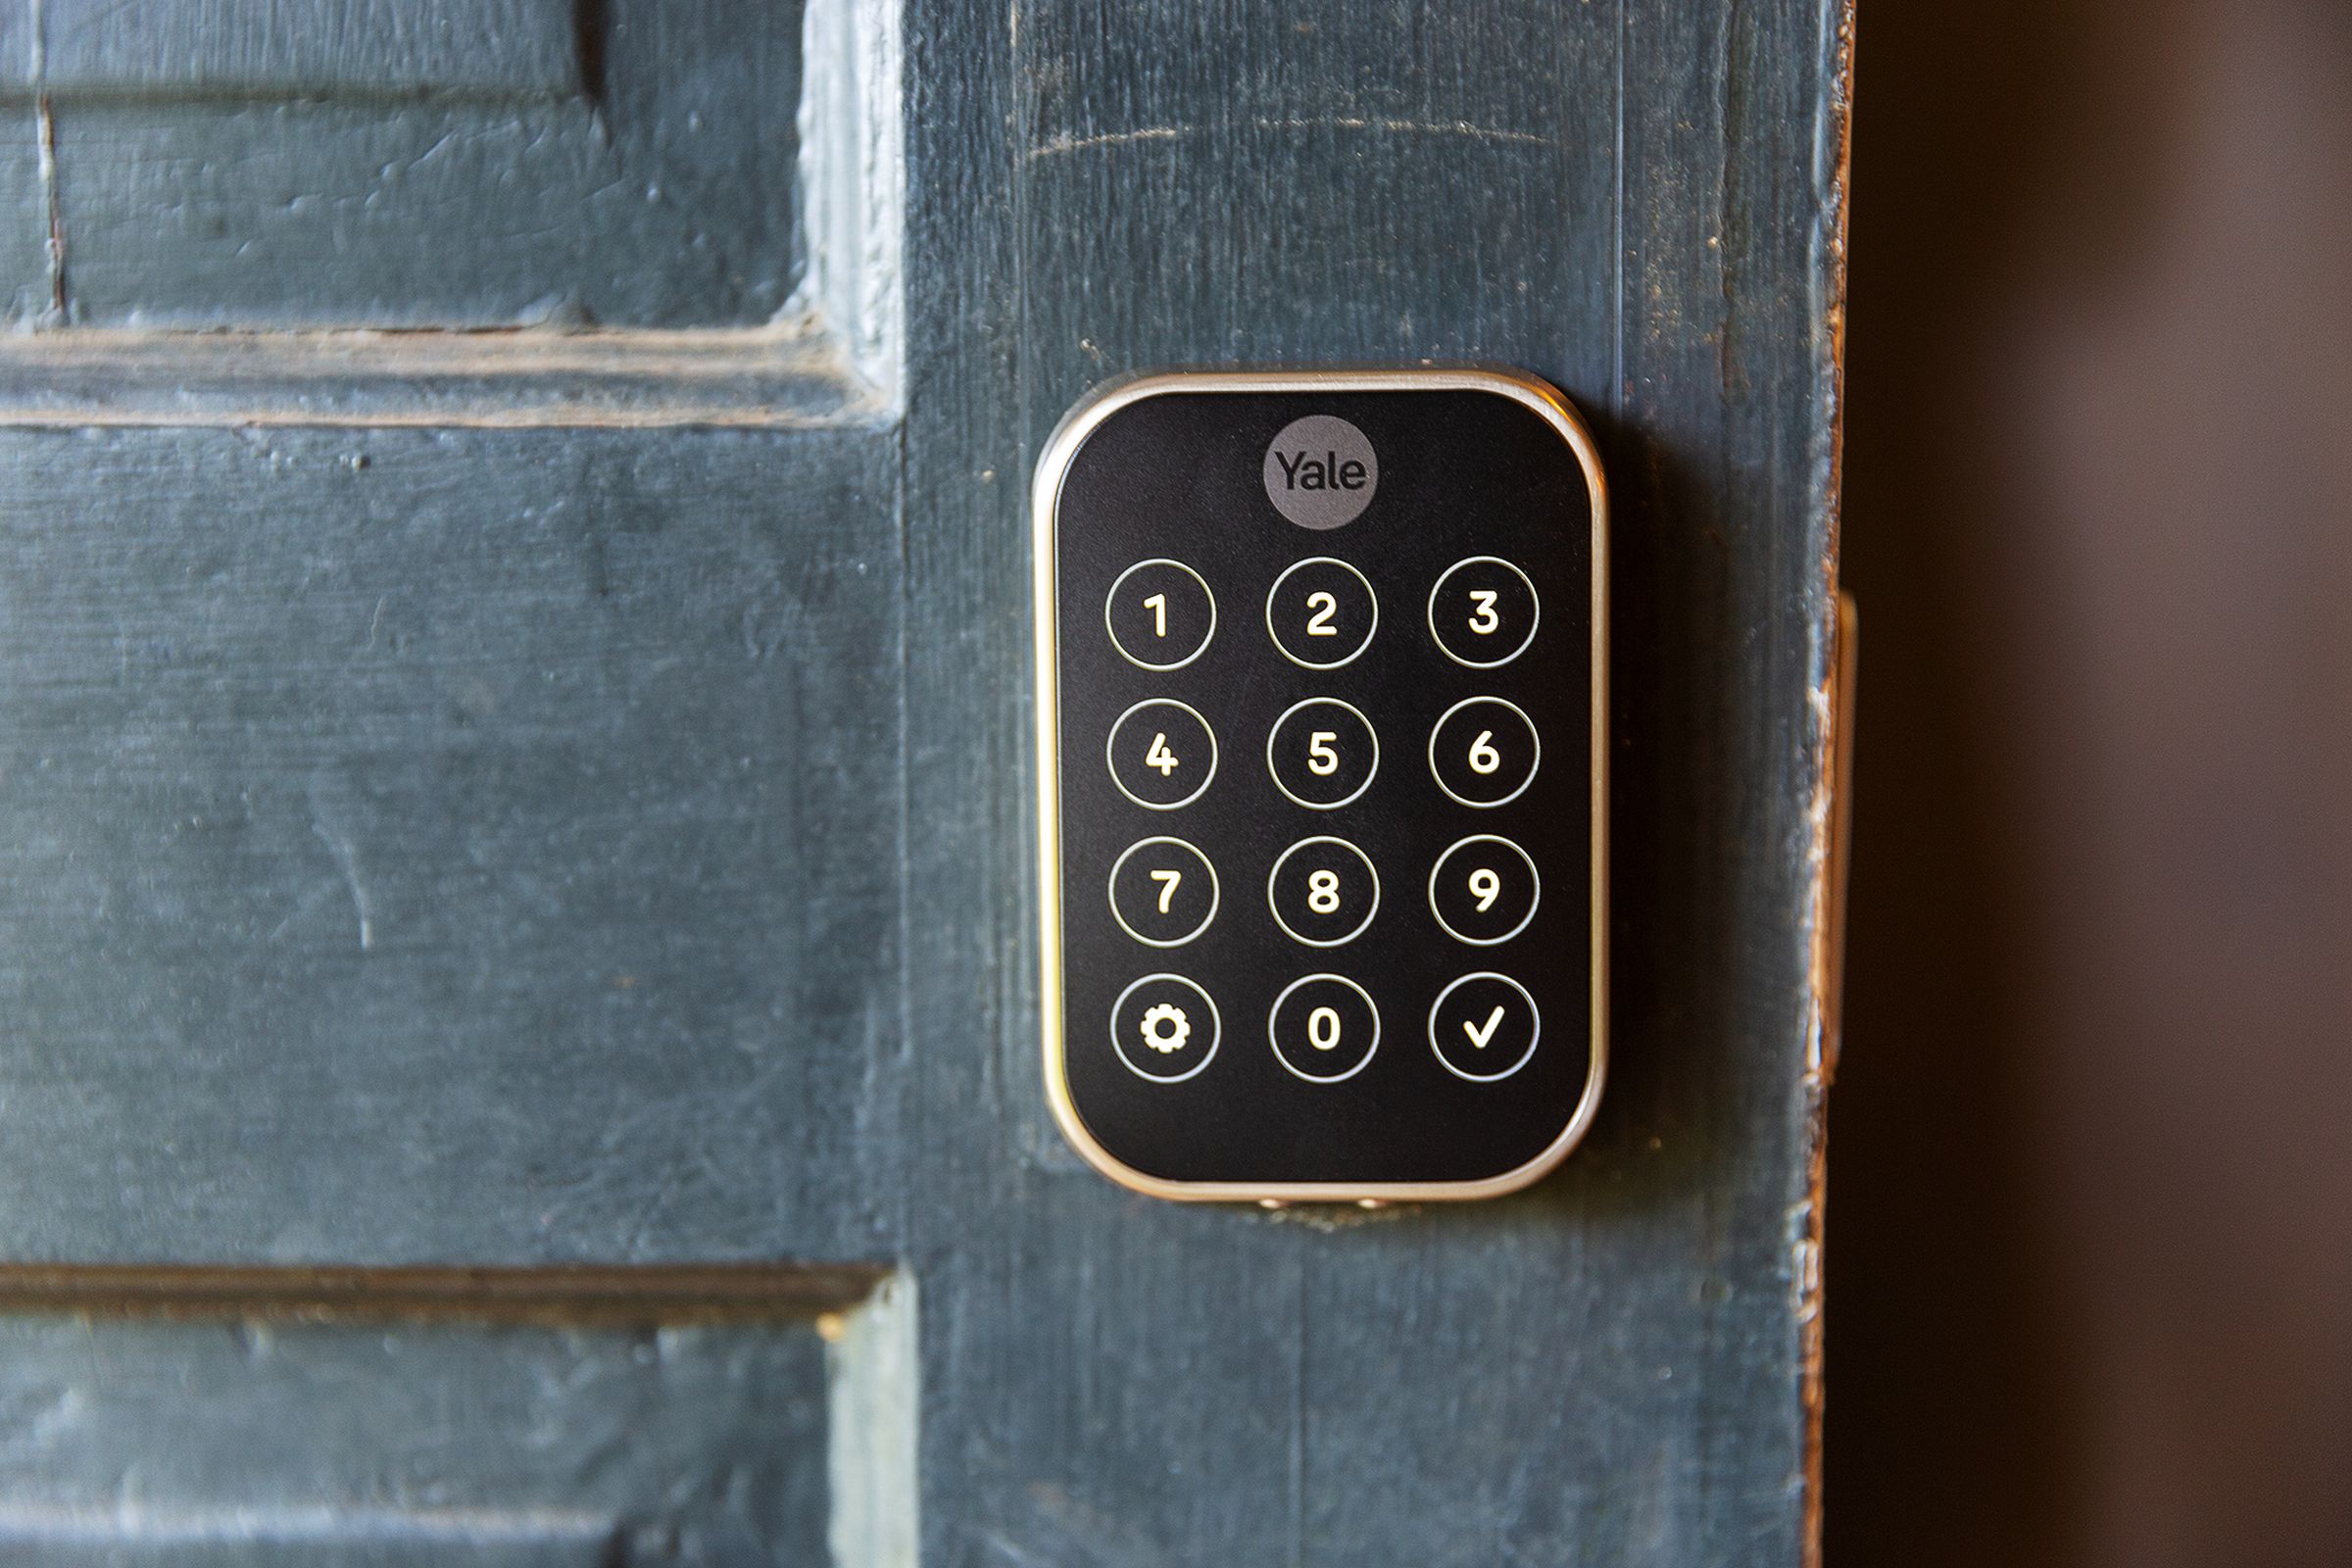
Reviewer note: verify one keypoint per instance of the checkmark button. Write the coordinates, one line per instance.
(1483, 1027)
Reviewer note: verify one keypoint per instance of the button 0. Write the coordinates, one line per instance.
(1483, 751)
(1163, 892)
(1160, 614)
(1164, 1028)
(1483, 1027)
(1324, 1028)
(1321, 613)
(1322, 752)
(1323, 892)
(1162, 753)
(1483, 612)
(1483, 890)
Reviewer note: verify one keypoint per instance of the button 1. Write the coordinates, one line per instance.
(1324, 1028)
(1160, 614)
(1164, 1028)
(1483, 890)
(1483, 612)
(1162, 753)
(1323, 892)
(1321, 613)
(1483, 751)
(1322, 752)
(1483, 1027)
(1163, 892)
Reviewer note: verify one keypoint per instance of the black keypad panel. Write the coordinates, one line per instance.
(1319, 782)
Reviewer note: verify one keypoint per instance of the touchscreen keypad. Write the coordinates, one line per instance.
(1326, 874)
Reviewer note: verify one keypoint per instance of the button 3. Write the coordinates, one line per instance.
(1483, 612)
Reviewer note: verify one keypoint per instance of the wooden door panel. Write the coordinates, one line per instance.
(551, 798)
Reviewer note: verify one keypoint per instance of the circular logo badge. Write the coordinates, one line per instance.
(1320, 472)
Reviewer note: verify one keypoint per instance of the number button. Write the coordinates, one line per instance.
(1162, 753)
(1160, 614)
(1483, 890)
(1483, 612)
(1164, 1028)
(1324, 1028)
(1483, 1027)
(1321, 613)
(1322, 752)
(1483, 751)
(1163, 892)
(1323, 892)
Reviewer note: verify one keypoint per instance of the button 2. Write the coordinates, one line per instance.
(1163, 892)
(1483, 612)
(1164, 1028)
(1483, 751)
(1483, 1027)
(1160, 614)
(1322, 752)
(1162, 753)
(1483, 890)
(1324, 1028)
(1321, 613)
(1323, 892)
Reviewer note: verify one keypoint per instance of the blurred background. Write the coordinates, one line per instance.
(2092, 1142)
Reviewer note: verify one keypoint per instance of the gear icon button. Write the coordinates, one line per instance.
(1164, 1028)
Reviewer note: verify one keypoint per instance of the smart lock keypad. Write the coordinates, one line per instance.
(1321, 793)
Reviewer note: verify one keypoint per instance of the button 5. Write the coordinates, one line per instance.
(1322, 752)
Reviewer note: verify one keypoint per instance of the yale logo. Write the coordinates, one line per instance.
(1320, 472)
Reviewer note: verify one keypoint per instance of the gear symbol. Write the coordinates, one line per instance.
(1165, 1028)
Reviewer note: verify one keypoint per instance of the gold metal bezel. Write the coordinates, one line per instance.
(1053, 465)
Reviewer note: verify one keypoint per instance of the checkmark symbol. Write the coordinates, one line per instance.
(1480, 1034)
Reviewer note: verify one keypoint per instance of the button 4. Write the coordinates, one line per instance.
(1162, 753)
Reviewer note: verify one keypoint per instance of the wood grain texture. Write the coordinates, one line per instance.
(1629, 201)
(625, 163)
(476, 846)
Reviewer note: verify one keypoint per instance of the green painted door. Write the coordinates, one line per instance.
(518, 1033)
